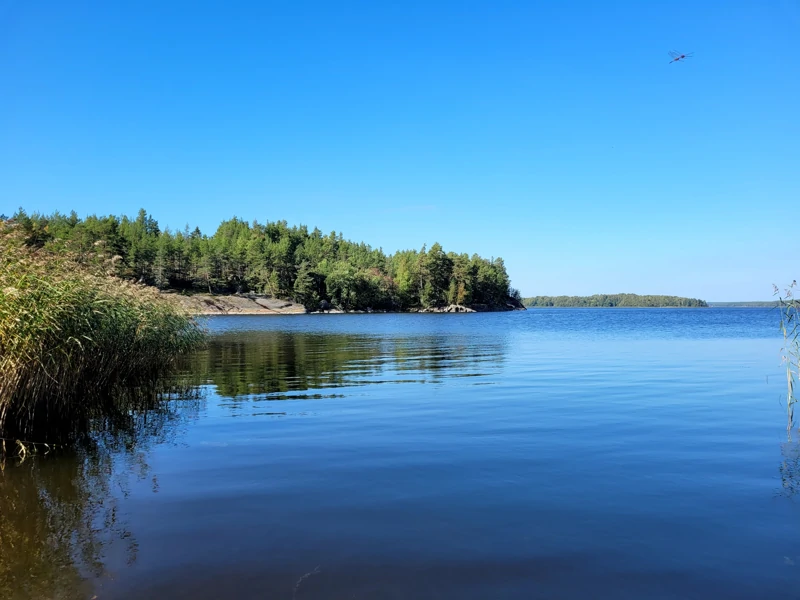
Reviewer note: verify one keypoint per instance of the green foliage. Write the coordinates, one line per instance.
(273, 259)
(613, 301)
(305, 287)
(74, 341)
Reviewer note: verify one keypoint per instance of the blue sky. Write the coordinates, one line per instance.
(555, 135)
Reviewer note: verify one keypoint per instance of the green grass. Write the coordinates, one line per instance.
(78, 346)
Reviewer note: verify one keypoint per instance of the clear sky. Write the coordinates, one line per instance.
(553, 134)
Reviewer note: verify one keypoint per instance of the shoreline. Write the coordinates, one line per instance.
(710, 306)
(209, 305)
(233, 304)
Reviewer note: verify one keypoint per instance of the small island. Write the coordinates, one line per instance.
(613, 301)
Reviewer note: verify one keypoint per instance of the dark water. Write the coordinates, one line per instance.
(545, 454)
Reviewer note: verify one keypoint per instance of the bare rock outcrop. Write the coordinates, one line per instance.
(238, 304)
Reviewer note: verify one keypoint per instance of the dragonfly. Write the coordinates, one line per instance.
(678, 56)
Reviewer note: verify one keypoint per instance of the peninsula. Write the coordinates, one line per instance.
(273, 268)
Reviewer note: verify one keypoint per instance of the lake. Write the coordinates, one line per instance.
(553, 453)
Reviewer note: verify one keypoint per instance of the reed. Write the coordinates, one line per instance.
(78, 346)
(789, 306)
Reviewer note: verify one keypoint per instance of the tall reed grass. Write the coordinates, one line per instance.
(78, 346)
(789, 306)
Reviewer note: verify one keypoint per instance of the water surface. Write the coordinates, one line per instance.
(553, 453)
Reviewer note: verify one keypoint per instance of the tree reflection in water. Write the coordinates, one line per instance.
(248, 363)
(60, 514)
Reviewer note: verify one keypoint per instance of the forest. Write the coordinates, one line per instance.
(613, 301)
(274, 259)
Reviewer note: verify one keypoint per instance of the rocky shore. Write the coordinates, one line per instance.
(253, 304)
(238, 304)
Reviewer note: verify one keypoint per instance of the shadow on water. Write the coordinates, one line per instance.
(280, 365)
(60, 514)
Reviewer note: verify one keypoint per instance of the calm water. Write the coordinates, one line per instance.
(543, 454)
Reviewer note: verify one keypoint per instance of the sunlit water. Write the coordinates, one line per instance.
(541, 454)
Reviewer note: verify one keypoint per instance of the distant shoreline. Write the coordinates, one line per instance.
(201, 305)
(716, 305)
(622, 300)
(710, 305)
(207, 305)
(755, 304)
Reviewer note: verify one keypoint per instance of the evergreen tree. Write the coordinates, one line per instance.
(272, 258)
(305, 288)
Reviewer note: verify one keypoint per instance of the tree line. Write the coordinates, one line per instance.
(275, 259)
(614, 300)
(749, 304)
